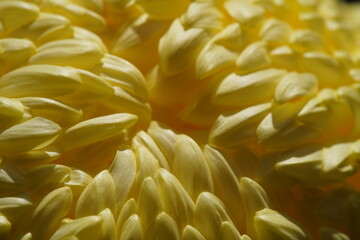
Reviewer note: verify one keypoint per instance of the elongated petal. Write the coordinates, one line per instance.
(175, 200)
(15, 52)
(178, 47)
(209, 214)
(11, 178)
(108, 228)
(5, 226)
(165, 138)
(254, 57)
(46, 27)
(51, 109)
(33, 134)
(69, 52)
(121, 73)
(226, 185)
(254, 199)
(14, 14)
(149, 202)
(164, 227)
(132, 229)
(245, 12)
(128, 209)
(190, 233)
(97, 196)
(123, 101)
(229, 232)
(123, 171)
(254, 88)
(47, 176)
(143, 139)
(231, 131)
(39, 81)
(190, 167)
(147, 165)
(89, 227)
(269, 224)
(48, 214)
(11, 108)
(295, 86)
(97, 129)
(78, 181)
(15, 208)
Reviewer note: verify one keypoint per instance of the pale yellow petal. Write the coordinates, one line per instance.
(97, 196)
(69, 52)
(131, 229)
(35, 133)
(85, 228)
(190, 167)
(254, 57)
(190, 233)
(123, 171)
(47, 216)
(96, 129)
(108, 228)
(39, 81)
(164, 227)
(250, 89)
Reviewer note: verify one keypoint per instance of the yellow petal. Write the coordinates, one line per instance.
(271, 225)
(332, 234)
(77, 14)
(143, 139)
(175, 200)
(15, 52)
(179, 47)
(11, 179)
(14, 14)
(245, 12)
(275, 31)
(108, 228)
(149, 202)
(121, 73)
(229, 232)
(11, 108)
(163, 228)
(39, 81)
(78, 181)
(15, 208)
(51, 109)
(226, 185)
(68, 52)
(123, 171)
(190, 233)
(123, 101)
(190, 167)
(128, 209)
(250, 89)
(209, 214)
(47, 27)
(306, 39)
(254, 199)
(47, 176)
(5, 227)
(89, 227)
(97, 196)
(132, 229)
(254, 57)
(295, 86)
(231, 131)
(96, 129)
(47, 216)
(165, 138)
(35, 133)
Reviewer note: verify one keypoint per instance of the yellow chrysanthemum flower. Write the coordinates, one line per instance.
(179, 120)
